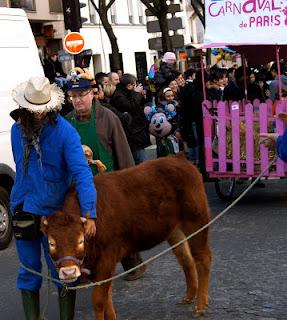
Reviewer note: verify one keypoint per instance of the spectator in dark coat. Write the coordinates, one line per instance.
(235, 89)
(261, 80)
(190, 75)
(126, 99)
(214, 92)
(53, 68)
(191, 125)
(104, 96)
(164, 74)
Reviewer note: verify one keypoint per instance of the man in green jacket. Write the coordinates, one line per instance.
(101, 130)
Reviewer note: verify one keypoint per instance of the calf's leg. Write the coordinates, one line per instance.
(100, 301)
(110, 311)
(200, 249)
(102, 295)
(203, 265)
(186, 261)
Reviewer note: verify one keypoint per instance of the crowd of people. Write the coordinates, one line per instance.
(233, 84)
(125, 97)
(186, 92)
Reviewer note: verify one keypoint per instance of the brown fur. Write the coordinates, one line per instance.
(137, 209)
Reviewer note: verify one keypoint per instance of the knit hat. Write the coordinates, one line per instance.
(169, 57)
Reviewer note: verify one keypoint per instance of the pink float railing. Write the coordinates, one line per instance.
(224, 120)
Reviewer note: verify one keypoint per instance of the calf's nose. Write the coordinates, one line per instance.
(67, 273)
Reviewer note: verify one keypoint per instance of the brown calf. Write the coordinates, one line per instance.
(137, 209)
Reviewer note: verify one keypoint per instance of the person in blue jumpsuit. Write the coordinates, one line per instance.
(48, 156)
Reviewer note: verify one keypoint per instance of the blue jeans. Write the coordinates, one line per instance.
(139, 156)
(193, 153)
(29, 253)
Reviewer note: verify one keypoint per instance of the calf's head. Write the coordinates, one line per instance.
(67, 245)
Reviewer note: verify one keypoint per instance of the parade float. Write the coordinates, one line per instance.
(257, 30)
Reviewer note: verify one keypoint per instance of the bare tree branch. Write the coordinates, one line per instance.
(102, 10)
(110, 4)
(94, 5)
(158, 3)
(199, 9)
(149, 6)
(159, 9)
(201, 4)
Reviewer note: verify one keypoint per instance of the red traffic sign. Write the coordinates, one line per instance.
(74, 42)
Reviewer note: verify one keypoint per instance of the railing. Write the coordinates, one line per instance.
(231, 137)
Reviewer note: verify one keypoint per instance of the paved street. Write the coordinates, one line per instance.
(248, 279)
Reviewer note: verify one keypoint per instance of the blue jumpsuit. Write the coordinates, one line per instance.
(282, 146)
(42, 187)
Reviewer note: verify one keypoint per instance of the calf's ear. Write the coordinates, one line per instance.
(44, 225)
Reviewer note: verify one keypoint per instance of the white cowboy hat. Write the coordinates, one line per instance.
(38, 95)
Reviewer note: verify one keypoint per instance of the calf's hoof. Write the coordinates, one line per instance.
(198, 312)
(186, 300)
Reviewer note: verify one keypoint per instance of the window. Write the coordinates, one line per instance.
(113, 14)
(94, 18)
(130, 11)
(56, 6)
(140, 12)
(141, 65)
(24, 4)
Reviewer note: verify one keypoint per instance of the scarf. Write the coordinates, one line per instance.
(33, 141)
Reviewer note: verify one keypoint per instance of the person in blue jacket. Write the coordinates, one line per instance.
(48, 156)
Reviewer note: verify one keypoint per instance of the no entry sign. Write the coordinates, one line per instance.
(74, 43)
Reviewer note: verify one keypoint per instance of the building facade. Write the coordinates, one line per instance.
(128, 21)
(46, 20)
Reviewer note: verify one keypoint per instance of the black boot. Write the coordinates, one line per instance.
(31, 304)
(67, 301)
(132, 261)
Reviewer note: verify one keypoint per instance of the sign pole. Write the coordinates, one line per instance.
(243, 61)
(202, 76)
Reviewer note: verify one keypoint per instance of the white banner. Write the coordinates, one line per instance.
(245, 22)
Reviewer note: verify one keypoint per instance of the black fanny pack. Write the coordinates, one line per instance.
(26, 226)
